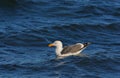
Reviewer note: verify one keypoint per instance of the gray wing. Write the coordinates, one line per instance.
(71, 49)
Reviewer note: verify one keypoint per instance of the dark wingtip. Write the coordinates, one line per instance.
(86, 44)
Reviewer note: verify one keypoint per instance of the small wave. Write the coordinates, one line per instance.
(81, 27)
(47, 34)
(98, 63)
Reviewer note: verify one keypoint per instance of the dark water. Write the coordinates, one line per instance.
(27, 26)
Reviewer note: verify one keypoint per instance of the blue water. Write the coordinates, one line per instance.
(28, 26)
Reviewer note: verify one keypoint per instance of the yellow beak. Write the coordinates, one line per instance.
(50, 45)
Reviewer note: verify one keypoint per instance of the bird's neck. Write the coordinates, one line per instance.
(59, 49)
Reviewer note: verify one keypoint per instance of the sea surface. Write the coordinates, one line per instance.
(28, 26)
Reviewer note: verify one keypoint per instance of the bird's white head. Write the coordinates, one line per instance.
(56, 44)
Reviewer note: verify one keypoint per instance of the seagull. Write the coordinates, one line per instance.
(74, 49)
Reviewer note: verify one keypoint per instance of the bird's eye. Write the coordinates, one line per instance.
(55, 43)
